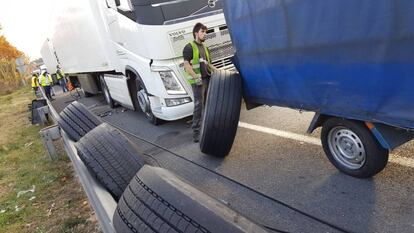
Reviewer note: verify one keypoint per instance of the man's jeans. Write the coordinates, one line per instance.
(47, 90)
(200, 95)
(62, 83)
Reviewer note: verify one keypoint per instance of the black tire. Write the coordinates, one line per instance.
(139, 86)
(76, 120)
(106, 93)
(85, 115)
(158, 201)
(222, 112)
(87, 94)
(375, 157)
(110, 156)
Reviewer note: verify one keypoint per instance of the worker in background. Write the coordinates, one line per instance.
(197, 64)
(35, 82)
(61, 78)
(45, 80)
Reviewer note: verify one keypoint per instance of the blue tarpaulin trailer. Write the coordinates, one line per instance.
(351, 62)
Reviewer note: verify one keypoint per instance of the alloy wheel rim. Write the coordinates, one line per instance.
(144, 102)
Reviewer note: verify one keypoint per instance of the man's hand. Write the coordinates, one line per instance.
(213, 68)
(198, 80)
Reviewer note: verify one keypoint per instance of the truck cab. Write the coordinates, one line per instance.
(149, 37)
(132, 50)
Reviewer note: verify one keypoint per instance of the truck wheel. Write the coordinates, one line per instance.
(158, 201)
(106, 93)
(142, 100)
(222, 112)
(76, 120)
(111, 158)
(351, 148)
(87, 94)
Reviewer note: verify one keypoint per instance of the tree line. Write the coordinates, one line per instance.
(10, 79)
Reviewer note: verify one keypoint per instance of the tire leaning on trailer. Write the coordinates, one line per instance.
(110, 156)
(158, 201)
(76, 120)
(352, 148)
(222, 112)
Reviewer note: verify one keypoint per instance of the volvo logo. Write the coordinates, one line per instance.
(212, 3)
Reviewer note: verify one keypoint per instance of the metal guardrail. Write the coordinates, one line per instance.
(101, 201)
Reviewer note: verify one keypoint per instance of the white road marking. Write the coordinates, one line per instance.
(281, 133)
(404, 161)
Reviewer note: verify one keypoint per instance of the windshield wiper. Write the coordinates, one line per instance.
(168, 3)
(210, 3)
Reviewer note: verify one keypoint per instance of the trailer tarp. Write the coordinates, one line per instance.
(347, 58)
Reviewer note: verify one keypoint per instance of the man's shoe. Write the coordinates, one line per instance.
(196, 137)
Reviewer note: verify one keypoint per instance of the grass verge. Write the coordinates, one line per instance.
(36, 194)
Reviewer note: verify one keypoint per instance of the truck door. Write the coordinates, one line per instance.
(113, 25)
(117, 84)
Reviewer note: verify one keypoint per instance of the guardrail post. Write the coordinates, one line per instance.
(50, 134)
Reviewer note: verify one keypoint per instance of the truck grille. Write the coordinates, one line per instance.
(221, 51)
(220, 47)
(224, 64)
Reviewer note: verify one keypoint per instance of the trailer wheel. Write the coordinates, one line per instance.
(222, 111)
(110, 156)
(352, 148)
(76, 120)
(106, 93)
(158, 201)
(142, 101)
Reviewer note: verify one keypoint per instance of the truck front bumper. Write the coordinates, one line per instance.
(173, 113)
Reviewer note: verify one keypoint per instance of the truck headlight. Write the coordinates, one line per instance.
(171, 83)
(177, 101)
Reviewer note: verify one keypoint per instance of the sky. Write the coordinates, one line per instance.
(24, 24)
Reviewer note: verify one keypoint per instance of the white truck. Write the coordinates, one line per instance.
(49, 56)
(131, 50)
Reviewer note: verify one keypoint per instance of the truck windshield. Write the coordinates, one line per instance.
(159, 12)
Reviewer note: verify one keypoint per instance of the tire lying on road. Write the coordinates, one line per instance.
(76, 120)
(158, 201)
(110, 156)
(352, 148)
(222, 111)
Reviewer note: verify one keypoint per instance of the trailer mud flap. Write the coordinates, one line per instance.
(388, 136)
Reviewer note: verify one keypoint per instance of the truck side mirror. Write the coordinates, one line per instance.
(124, 5)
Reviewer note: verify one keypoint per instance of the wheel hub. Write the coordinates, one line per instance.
(143, 100)
(346, 147)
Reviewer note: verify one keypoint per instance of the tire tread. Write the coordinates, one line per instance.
(110, 156)
(222, 113)
(76, 120)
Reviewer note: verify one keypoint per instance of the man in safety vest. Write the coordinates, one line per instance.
(197, 64)
(61, 78)
(45, 80)
(35, 83)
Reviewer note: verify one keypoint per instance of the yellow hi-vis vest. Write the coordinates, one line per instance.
(35, 81)
(45, 81)
(60, 74)
(195, 63)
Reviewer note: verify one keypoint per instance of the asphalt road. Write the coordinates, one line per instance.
(283, 184)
